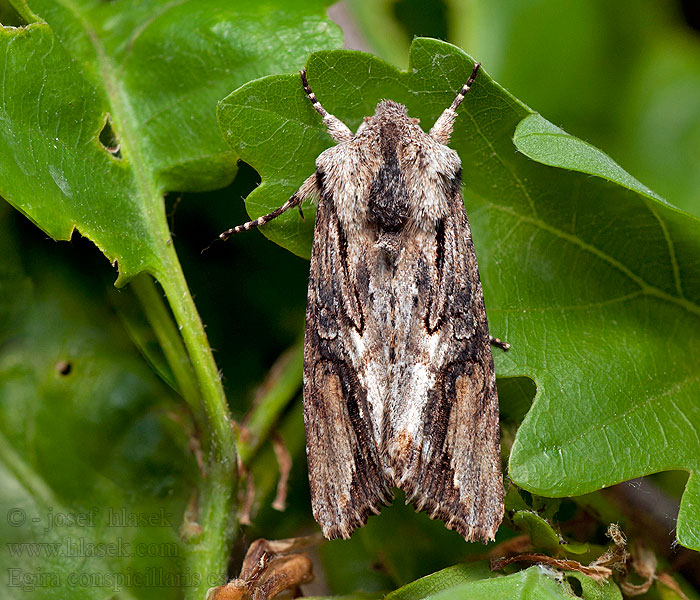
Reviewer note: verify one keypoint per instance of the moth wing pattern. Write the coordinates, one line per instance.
(399, 380)
(346, 474)
(454, 467)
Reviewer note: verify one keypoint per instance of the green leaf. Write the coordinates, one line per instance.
(93, 63)
(476, 582)
(663, 416)
(593, 280)
(538, 139)
(543, 536)
(540, 532)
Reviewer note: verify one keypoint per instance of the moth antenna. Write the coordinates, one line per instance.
(442, 130)
(309, 189)
(338, 130)
(295, 200)
(465, 88)
(318, 107)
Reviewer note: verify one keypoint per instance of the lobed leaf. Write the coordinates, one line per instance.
(107, 106)
(594, 280)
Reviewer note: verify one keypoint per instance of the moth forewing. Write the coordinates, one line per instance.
(399, 382)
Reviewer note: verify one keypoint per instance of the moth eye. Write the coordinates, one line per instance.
(415, 121)
(367, 119)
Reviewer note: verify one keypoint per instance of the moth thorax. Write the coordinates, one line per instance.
(388, 201)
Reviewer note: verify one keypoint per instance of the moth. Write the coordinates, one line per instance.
(399, 382)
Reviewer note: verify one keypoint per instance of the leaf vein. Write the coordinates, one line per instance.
(646, 288)
(634, 408)
(671, 250)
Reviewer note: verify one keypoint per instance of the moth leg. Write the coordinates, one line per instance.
(308, 189)
(338, 130)
(499, 343)
(442, 130)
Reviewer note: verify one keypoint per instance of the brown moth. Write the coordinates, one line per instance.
(399, 382)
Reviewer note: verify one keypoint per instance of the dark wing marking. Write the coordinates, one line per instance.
(347, 479)
(454, 469)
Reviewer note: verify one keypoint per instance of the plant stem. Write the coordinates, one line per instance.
(277, 392)
(209, 550)
(161, 322)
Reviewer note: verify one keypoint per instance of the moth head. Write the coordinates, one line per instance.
(388, 109)
(391, 114)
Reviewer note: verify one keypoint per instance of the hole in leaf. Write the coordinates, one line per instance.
(109, 138)
(421, 18)
(64, 367)
(515, 395)
(576, 586)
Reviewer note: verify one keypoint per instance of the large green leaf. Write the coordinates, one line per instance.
(593, 280)
(155, 70)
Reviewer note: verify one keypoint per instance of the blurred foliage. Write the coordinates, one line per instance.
(87, 429)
